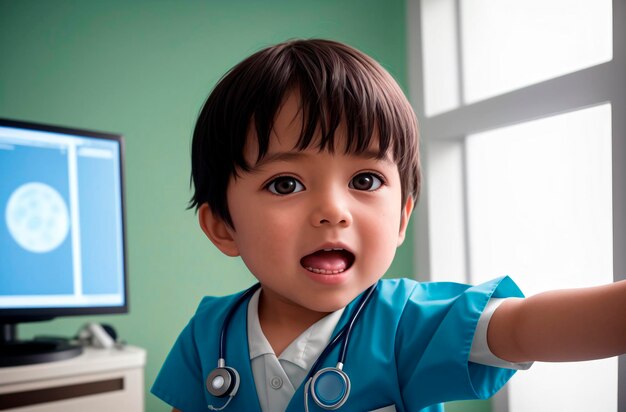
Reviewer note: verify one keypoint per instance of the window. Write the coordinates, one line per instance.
(539, 210)
(520, 106)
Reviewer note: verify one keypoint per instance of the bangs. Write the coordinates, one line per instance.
(337, 88)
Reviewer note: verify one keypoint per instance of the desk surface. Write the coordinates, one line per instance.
(90, 361)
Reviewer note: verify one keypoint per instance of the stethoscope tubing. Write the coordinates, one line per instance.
(364, 299)
(346, 330)
(245, 295)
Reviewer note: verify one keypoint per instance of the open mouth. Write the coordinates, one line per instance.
(328, 261)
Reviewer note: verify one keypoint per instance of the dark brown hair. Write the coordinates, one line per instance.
(338, 85)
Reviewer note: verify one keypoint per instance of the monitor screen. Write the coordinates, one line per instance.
(62, 237)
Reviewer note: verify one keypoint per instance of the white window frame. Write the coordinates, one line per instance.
(595, 85)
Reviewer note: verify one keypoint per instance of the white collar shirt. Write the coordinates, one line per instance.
(277, 378)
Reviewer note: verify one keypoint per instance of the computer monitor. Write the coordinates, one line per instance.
(62, 235)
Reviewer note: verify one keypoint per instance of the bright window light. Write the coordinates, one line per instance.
(540, 210)
(440, 57)
(509, 44)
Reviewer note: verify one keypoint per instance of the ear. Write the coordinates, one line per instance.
(217, 231)
(404, 219)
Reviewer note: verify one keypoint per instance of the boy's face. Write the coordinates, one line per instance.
(316, 229)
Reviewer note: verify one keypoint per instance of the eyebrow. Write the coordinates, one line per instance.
(294, 156)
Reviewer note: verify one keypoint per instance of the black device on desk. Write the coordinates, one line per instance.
(62, 232)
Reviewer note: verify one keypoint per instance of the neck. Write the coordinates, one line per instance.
(282, 320)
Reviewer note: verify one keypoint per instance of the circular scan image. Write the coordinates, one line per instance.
(37, 217)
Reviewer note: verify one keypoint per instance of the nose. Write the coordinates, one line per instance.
(331, 208)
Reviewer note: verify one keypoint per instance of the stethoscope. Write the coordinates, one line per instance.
(329, 387)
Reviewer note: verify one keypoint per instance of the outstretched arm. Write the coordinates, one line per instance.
(561, 325)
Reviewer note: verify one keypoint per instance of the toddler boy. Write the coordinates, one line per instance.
(305, 163)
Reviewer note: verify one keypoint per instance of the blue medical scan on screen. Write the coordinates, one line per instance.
(61, 227)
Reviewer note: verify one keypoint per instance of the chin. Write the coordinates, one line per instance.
(329, 304)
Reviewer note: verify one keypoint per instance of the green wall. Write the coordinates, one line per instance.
(143, 69)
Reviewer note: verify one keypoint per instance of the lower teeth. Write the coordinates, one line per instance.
(324, 271)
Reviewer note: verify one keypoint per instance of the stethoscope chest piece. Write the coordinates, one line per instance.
(330, 388)
(223, 381)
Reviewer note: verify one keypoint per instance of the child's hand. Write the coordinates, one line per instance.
(562, 325)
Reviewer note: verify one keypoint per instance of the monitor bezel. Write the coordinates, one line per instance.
(18, 315)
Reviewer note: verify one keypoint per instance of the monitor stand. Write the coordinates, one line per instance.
(14, 352)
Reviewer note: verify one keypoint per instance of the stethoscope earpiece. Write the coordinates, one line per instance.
(330, 388)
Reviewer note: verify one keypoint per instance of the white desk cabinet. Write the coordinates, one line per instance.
(98, 380)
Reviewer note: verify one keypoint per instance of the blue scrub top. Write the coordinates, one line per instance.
(410, 348)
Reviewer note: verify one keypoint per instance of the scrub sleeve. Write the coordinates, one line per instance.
(440, 370)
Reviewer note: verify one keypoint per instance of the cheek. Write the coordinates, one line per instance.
(264, 232)
(381, 232)
(384, 215)
(266, 248)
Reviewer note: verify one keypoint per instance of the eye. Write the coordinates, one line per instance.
(365, 181)
(285, 185)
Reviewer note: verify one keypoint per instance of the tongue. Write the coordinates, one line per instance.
(332, 260)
